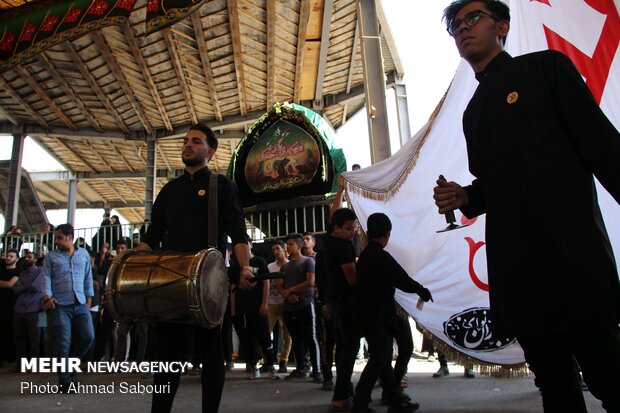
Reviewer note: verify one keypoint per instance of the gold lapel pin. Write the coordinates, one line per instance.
(202, 192)
(512, 97)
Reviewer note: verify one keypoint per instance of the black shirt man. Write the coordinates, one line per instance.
(535, 139)
(179, 221)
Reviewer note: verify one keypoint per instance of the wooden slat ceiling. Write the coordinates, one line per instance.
(92, 102)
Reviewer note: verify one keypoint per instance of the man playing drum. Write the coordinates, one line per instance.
(179, 221)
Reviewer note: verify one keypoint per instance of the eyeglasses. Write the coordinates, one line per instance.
(471, 19)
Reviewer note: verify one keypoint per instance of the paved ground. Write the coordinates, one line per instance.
(445, 395)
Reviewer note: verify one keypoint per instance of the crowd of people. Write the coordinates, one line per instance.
(23, 289)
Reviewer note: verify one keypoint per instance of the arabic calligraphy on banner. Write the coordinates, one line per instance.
(284, 157)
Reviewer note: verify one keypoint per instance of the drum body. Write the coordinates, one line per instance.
(168, 286)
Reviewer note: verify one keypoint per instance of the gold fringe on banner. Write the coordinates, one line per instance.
(386, 194)
(509, 371)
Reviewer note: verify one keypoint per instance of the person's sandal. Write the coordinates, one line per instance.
(339, 406)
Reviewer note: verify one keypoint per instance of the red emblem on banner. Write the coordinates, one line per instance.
(152, 6)
(6, 44)
(126, 4)
(72, 15)
(28, 32)
(98, 7)
(596, 68)
(473, 248)
(48, 23)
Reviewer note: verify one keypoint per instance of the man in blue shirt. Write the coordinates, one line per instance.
(68, 294)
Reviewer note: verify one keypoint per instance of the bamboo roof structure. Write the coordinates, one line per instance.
(93, 101)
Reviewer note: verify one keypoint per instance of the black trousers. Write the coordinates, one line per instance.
(168, 340)
(347, 345)
(379, 339)
(302, 328)
(404, 341)
(325, 331)
(104, 335)
(227, 334)
(595, 345)
(254, 328)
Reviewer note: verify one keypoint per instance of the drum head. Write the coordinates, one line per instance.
(212, 283)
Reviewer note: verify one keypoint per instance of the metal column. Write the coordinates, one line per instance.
(402, 110)
(71, 201)
(374, 81)
(150, 176)
(14, 181)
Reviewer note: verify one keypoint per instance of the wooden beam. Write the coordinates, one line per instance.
(138, 151)
(90, 188)
(47, 65)
(13, 93)
(328, 10)
(97, 205)
(356, 42)
(49, 191)
(7, 115)
(120, 155)
(206, 64)
(137, 54)
(271, 52)
(163, 156)
(118, 194)
(389, 38)
(77, 155)
(77, 61)
(304, 15)
(123, 176)
(113, 65)
(235, 33)
(36, 87)
(96, 153)
(178, 69)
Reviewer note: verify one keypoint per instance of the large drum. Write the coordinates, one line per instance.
(168, 286)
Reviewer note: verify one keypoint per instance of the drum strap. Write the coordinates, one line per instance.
(213, 211)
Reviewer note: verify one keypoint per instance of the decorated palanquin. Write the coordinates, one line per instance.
(285, 168)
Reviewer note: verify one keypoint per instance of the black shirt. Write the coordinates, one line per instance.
(248, 301)
(378, 274)
(180, 220)
(535, 138)
(337, 252)
(7, 296)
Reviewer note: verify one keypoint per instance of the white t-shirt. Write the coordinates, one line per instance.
(274, 296)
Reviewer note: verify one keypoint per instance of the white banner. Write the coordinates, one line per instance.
(453, 264)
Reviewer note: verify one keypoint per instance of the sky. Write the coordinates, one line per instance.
(430, 61)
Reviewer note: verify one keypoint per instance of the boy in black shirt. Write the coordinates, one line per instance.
(378, 274)
(248, 309)
(339, 265)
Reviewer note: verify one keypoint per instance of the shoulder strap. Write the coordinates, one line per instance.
(213, 210)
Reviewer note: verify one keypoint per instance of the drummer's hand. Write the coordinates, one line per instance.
(244, 276)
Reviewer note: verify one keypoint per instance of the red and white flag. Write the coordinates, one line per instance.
(453, 264)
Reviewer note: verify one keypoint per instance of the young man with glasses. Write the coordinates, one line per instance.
(535, 139)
